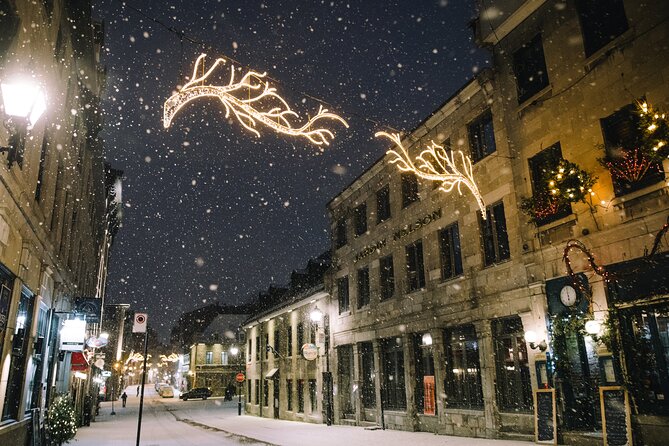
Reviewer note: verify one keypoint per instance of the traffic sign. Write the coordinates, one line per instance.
(240, 377)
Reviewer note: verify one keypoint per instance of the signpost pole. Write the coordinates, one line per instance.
(141, 398)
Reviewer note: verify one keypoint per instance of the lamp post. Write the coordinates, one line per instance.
(234, 351)
(24, 102)
(316, 316)
(114, 382)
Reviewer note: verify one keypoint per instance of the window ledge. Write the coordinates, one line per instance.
(604, 52)
(457, 410)
(536, 98)
(559, 222)
(450, 280)
(494, 264)
(621, 200)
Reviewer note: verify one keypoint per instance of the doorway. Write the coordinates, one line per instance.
(275, 385)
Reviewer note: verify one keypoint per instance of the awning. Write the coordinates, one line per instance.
(271, 373)
(78, 362)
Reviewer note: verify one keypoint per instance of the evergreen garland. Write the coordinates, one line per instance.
(61, 420)
(563, 184)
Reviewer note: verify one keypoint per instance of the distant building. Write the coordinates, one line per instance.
(287, 346)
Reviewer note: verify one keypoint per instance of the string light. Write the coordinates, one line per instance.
(436, 164)
(259, 92)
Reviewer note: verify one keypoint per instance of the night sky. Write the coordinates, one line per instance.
(214, 213)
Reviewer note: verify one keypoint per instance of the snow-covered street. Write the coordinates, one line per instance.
(215, 422)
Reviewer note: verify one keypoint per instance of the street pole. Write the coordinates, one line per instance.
(112, 397)
(141, 398)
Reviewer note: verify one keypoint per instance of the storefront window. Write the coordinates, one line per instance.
(17, 366)
(425, 393)
(514, 390)
(463, 370)
(646, 342)
(368, 374)
(393, 391)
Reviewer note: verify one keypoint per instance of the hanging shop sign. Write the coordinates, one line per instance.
(89, 308)
(95, 342)
(310, 352)
(73, 335)
(429, 402)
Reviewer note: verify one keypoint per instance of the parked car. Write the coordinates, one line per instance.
(167, 392)
(199, 392)
(158, 386)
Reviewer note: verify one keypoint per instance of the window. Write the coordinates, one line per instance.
(257, 348)
(300, 335)
(289, 338)
(463, 371)
(601, 22)
(383, 204)
(449, 249)
(529, 66)
(415, 270)
(300, 395)
(409, 189)
(248, 388)
(277, 341)
(493, 233)
(622, 135)
(541, 166)
(363, 287)
(342, 294)
(393, 391)
(209, 358)
(360, 219)
(367, 371)
(514, 391)
(340, 233)
(42, 162)
(312, 395)
(387, 277)
(289, 393)
(257, 389)
(425, 392)
(266, 346)
(224, 358)
(482, 137)
(265, 393)
(249, 351)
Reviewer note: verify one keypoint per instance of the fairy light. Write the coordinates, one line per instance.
(278, 117)
(436, 164)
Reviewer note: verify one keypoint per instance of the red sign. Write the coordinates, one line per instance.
(429, 405)
(240, 377)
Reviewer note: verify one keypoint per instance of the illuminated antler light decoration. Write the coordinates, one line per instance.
(437, 164)
(258, 92)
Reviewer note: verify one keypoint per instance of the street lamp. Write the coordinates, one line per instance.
(234, 351)
(316, 315)
(24, 102)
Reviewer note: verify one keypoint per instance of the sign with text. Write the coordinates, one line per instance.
(616, 418)
(73, 335)
(429, 399)
(545, 422)
(310, 352)
(89, 307)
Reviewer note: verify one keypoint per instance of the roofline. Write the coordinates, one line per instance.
(299, 299)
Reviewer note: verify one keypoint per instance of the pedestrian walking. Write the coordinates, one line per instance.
(137, 390)
(124, 397)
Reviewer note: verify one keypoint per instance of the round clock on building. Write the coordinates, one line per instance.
(568, 295)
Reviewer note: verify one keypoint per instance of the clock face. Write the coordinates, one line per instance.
(568, 295)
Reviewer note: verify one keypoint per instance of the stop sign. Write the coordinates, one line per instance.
(240, 377)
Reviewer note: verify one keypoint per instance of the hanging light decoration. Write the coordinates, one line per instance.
(437, 164)
(243, 99)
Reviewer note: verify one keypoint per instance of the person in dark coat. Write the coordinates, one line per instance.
(124, 397)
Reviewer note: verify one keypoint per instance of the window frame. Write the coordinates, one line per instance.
(387, 283)
(481, 137)
(340, 236)
(343, 295)
(463, 394)
(363, 291)
(490, 229)
(415, 278)
(360, 219)
(409, 186)
(591, 16)
(453, 268)
(383, 210)
(529, 68)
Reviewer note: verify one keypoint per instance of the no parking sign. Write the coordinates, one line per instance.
(139, 325)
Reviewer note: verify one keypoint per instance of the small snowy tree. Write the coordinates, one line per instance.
(61, 421)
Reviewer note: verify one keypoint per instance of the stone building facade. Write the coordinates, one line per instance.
(286, 353)
(59, 204)
(433, 307)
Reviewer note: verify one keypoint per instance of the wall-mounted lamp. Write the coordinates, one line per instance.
(234, 350)
(24, 103)
(427, 339)
(531, 338)
(316, 315)
(594, 329)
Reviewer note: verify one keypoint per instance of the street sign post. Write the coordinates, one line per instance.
(240, 377)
